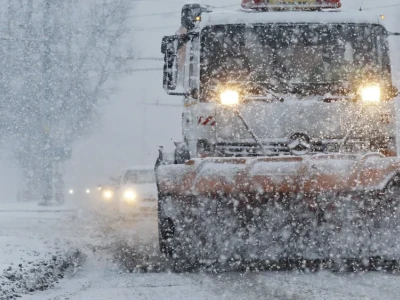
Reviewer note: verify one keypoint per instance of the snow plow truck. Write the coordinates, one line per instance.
(289, 148)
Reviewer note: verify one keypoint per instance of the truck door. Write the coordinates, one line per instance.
(191, 84)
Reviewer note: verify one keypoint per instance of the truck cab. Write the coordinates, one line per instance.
(281, 78)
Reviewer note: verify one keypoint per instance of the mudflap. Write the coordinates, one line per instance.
(360, 229)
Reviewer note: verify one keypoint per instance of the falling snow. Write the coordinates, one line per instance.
(276, 174)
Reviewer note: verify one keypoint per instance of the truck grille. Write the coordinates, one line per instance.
(279, 148)
(249, 149)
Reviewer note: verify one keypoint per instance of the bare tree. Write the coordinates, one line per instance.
(57, 57)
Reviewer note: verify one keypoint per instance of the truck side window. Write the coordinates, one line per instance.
(194, 63)
(181, 56)
(187, 65)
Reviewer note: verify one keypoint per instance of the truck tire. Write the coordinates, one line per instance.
(166, 234)
(175, 235)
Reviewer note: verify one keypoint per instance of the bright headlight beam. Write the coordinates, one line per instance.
(229, 97)
(129, 195)
(71, 191)
(371, 94)
(107, 194)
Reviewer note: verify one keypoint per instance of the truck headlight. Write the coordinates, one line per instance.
(129, 195)
(371, 94)
(108, 194)
(229, 97)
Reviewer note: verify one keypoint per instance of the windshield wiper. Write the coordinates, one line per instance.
(252, 133)
(329, 91)
(333, 98)
(265, 90)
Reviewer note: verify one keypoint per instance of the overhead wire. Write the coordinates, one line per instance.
(385, 6)
(233, 5)
(173, 12)
(362, 3)
(142, 58)
(155, 14)
(163, 104)
(140, 70)
(151, 28)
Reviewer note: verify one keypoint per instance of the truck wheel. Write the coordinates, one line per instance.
(166, 235)
(175, 247)
(183, 257)
(176, 238)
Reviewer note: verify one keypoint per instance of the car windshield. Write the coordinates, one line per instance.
(296, 58)
(139, 176)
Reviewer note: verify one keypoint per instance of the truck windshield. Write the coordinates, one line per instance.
(300, 58)
(139, 176)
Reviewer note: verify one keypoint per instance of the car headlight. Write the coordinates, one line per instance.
(129, 196)
(229, 97)
(108, 194)
(371, 94)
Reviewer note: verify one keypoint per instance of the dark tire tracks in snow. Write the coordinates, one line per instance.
(39, 275)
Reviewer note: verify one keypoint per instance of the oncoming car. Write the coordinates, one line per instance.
(107, 192)
(137, 192)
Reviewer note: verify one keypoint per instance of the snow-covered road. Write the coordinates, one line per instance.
(98, 282)
(114, 247)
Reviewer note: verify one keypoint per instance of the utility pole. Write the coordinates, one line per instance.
(45, 141)
(54, 136)
(144, 129)
(46, 52)
(29, 186)
(10, 17)
(64, 141)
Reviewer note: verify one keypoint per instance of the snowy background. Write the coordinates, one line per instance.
(133, 123)
(140, 116)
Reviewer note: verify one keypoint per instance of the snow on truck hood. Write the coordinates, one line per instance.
(245, 17)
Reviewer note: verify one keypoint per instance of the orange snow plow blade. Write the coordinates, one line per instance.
(309, 175)
(270, 208)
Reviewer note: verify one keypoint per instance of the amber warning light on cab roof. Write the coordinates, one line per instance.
(291, 4)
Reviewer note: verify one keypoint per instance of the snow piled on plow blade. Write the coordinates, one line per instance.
(315, 174)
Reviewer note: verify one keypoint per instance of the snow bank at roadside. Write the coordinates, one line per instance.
(34, 247)
(31, 276)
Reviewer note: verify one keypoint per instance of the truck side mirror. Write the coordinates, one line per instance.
(169, 47)
(173, 48)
